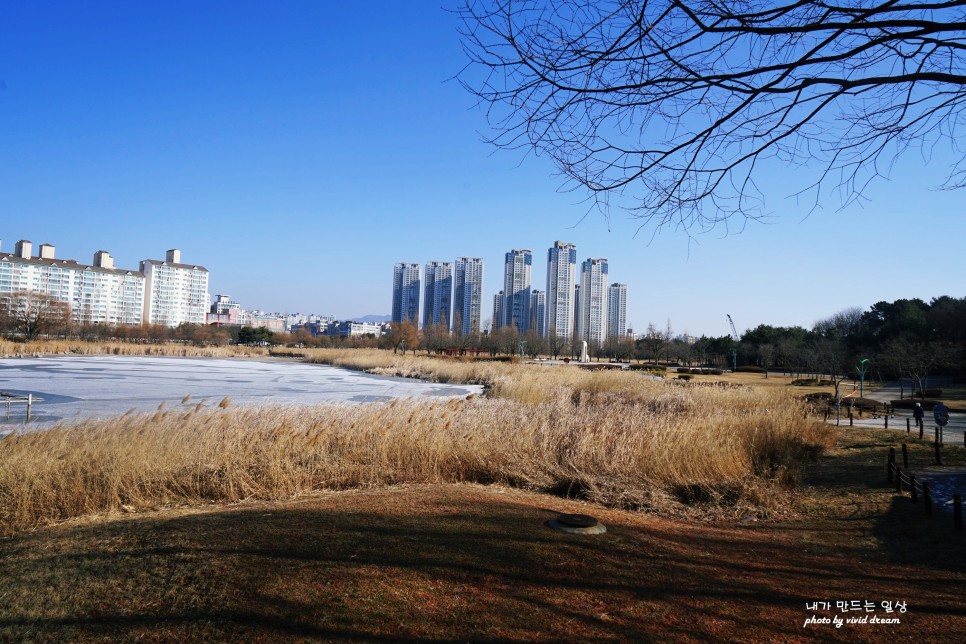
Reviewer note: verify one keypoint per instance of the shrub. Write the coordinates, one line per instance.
(811, 382)
(685, 376)
(909, 403)
(819, 396)
(750, 368)
(861, 403)
(657, 369)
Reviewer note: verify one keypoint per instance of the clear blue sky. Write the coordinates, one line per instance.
(299, 149)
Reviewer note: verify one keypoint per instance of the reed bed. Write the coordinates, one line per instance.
(614, 439)
(10, 349)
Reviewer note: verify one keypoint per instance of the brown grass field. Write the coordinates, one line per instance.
(427, 521)
(465, 562)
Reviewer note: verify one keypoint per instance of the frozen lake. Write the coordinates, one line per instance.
(100, 386)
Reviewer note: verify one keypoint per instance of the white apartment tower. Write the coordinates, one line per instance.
(593, 301)
(174, 293)
(617, 310)
(405, 293)
(97, 294)
(516, 290)
(561, 267)
(468, 295)
(104, 294)
(437, 303)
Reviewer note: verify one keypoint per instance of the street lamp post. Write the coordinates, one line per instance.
(862, 367)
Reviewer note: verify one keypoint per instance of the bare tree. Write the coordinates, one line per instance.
(28, 314)
(402, 336)
(536, 345)
(652, 343)
(556, 343)
(824, 355)
(674, 105)
(435, 338)
(917, 360)
(507, 339)
(766, 355)
(841, 325)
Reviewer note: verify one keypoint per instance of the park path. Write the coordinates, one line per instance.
(953, 433)
(945, 480)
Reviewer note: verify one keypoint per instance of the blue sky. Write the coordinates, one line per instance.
(299, 149)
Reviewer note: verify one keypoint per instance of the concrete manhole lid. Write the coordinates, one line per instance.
(577, 520)
(577, 524)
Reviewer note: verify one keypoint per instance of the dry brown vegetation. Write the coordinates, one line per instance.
(469, 562)
(448, 563)
(610, 437)
(9, 349)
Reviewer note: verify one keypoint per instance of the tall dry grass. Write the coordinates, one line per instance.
(10, 349)
(608, 437)
(524, 382)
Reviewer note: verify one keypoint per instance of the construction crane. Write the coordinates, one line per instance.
(734, 349)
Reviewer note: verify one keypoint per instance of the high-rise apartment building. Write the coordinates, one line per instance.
(617, 310)
(538, 313)
(498, 302)
(405, 293)
(593, 300)
(97, 293)
(174, 293)
(516, 289)
(468, 295)
(104, 294)
(561, 267)
(437, 303)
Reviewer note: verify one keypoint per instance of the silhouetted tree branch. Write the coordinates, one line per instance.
(672, 105)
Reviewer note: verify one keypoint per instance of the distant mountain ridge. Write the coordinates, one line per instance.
(372, 319)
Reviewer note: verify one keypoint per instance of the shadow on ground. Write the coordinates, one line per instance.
(446, 563)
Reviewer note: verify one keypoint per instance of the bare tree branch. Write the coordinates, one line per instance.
(671, 105)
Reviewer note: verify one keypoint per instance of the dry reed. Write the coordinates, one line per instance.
(612, 438)
(9, 349)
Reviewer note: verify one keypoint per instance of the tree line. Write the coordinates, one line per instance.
(906, 339)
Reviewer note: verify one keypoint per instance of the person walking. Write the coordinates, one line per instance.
(917, 413)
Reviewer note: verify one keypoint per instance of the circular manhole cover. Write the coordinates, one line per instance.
(577, 520)
(576, 524)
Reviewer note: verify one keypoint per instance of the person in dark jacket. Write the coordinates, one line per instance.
(917, 413)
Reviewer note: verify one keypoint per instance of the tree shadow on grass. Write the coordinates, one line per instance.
(434, 564)
(856, 482)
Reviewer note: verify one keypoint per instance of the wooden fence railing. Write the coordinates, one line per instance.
(919, 489)
(888, 411)
(7, 399)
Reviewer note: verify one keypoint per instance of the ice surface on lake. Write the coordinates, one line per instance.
(100, 386)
